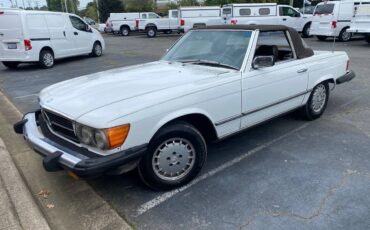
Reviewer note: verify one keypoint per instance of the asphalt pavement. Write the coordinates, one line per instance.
(284, 174)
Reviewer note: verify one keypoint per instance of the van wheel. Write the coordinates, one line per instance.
(367, 38)
(322, 38)
(306, 31)
(317, 102)
(125, 31)
(345, 36)
(175, 156)
(46, 59)
(151, 32)
(11, 64)
(97, 50)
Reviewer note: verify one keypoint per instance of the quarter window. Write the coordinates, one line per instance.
(264, 11)
(77, 23)
(175, 14)
(226, 11)
(245, 12)
(153, 16)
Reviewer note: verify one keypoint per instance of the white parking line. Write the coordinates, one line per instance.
(30, 95)
(165, 196)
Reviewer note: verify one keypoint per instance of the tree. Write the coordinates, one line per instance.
(109, 6)
(188, 3)
(58, 5)
(140, 5)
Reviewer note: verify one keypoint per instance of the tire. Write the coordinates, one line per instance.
(317, 102)
(306, 31)
(367, 39)
(46, 59)
(345, 36)
(125, 31)
(151, 32)
(178, 147)
(97, 50)
(322, 38)
(10, 64)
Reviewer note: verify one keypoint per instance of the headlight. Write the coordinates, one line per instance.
(102, 138)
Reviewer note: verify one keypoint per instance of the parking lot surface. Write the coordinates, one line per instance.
(284, 174)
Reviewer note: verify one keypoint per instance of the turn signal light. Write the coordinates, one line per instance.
(27, 44)
(117, 135)
(334, 24)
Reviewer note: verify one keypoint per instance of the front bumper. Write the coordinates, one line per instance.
(346, 77)
(58, 156)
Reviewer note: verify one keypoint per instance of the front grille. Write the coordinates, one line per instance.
(60, 125)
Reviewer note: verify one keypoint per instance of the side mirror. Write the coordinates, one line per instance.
(263, 61)
(88, 28)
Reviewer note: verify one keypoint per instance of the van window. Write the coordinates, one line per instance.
(264, 11)
(77, 23)
(9, 21)
(275, 44)
(175, 14)
(245, 12)
(324, 9)
(55, 21)
(35, 21)
(226, 11)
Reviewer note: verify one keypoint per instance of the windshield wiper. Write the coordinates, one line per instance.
(207, 62)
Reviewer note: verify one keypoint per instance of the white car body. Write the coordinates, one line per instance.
(170, 23)
(335, 19)
(43, 29)
(192, 17)
(121, 20)
(361, 21)
(264, 14)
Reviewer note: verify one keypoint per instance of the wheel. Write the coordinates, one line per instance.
(151, 32)
(306, 31)
(344, 36)
(317, 102)
(11, 64)
(322, 38)
(367, 38)
(174, 157)
(125, 31)
(46, 59)
(97, 50)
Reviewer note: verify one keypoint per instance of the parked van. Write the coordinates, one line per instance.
(333, 19)
(125, 23)
(42, 36)
(193, 17)
(360, 23)
(266, 13)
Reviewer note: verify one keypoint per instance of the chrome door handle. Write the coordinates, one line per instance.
(302, 70)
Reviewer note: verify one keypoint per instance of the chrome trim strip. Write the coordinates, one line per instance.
(259, 109)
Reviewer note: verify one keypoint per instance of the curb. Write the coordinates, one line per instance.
(65, 202)
(28, 213)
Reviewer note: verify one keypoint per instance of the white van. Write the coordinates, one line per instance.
(125, 23)
(333, 19)
(193, 17)
(42, 36)
(360, 23)
(266, 13)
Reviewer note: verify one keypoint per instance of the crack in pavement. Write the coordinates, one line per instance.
(316, 213)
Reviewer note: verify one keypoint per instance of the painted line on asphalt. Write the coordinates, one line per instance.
(29, 95)
(165, 196)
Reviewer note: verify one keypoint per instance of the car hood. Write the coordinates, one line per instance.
(152, 82)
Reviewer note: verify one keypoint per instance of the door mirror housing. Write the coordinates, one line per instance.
(263, 62)
(88, 28)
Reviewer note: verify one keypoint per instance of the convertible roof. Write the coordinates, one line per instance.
(301, 50)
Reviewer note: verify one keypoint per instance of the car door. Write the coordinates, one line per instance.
(82, 36)
(270, 91)
(290, 17)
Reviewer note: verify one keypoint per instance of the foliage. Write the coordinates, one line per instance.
(58, 5)
(188, 3)
(109, 6)
(139, 5)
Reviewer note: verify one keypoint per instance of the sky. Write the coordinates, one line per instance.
(6, 3)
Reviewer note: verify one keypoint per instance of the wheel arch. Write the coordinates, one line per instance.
(47, 48)
(198, 119)
(151, 25)
(123, 26)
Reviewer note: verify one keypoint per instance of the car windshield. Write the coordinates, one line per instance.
(225, 49)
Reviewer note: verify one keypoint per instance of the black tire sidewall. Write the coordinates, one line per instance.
(154, 32)
(41, 59)
(125, 29)
(94, 54)
(341, 35)
(309, 113)
(181, 130)
(304, 31)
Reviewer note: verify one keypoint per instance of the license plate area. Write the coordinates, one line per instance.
(12, 46)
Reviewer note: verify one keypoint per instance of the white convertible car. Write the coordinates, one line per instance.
(158, 117)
